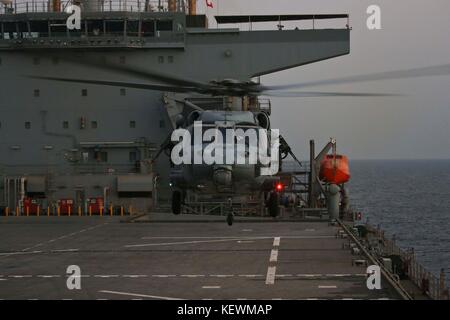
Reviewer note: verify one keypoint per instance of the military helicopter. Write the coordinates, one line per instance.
(232, 179)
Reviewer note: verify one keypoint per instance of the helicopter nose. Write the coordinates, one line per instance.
(223, 175)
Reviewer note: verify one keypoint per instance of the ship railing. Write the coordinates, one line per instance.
(36, 6)
(431, 285)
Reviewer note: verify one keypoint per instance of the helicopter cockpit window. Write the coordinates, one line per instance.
(236, 117)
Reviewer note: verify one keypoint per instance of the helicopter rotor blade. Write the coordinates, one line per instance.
(126, 69)
(134, 85)
(289, 94)
(439, 70)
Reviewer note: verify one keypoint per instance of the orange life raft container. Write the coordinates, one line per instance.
(334, 169)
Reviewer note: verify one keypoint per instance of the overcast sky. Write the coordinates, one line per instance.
(415, 33)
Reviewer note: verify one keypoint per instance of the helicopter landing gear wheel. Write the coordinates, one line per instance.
(273, 204)
(230, 219)
(176, 202)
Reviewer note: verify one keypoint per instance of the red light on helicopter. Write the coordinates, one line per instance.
(279, 187)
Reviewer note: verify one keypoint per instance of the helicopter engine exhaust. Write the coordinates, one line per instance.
(223, 176)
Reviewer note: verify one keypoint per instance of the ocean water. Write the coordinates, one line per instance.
(409, 199)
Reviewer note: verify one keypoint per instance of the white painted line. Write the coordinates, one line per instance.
(274, 255)
(184, 242)
(228, 237)
(247, 230)
(222, 275)
(20, 276)
(245, 241)
(211, 287)
(283, 275)
(134, 276)
(251, 275)
(48, 276)
(138, 295)
(192, 275)
(327, 287)
(239, 237)
(276, 241)
(270, 278)
(3, 279)
(106, 276)
(163, 275)
(18, 253)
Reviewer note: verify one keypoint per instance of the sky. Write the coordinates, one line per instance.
(415, 125)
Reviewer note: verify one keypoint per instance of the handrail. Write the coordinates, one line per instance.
(42, 6)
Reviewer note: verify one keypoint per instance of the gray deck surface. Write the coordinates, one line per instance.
(181, 260)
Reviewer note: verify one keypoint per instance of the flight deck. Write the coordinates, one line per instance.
(182, 258)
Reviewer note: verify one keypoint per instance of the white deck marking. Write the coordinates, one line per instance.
(48, 276)
(138, 295)
(211, 287)
(276, 241)
(327, 287)
(274, 255)
(134, 276)
(270, 278)
(163, 275)
(65, 250)
(184, 242)
(6, 254)
(222, 275)
(192, 275)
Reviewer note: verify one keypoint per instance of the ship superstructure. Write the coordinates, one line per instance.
(84, 147)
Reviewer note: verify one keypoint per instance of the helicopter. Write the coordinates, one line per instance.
(227, 180)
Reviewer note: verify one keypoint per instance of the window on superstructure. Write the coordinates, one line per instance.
(36, 92)
(95, 28)
(133, 156)
(23, 30)
(132, 124)
(170, 59)
(94, 124)
(27, 125)
(133, 28)
(101, 156)
(123, 92)
(164, 25)
(148, 28)
(39, 28)
(0, 61)
(65, 124)
(160, 59)
(115, 27)
(84, 92)
(122, 60)
(9, 30)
